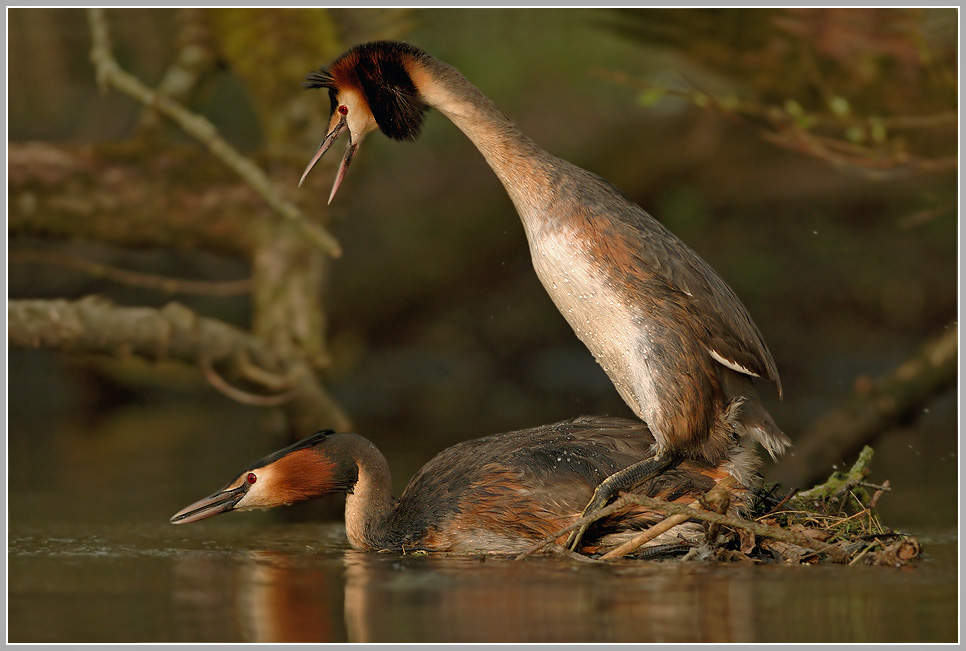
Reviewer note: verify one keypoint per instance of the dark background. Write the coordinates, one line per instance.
(438, 328)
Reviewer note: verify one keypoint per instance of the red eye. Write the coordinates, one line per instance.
(251, 478)
(344, 110)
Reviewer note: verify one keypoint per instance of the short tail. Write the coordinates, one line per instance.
(754, 422)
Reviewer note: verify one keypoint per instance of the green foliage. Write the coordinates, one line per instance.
(869, 91)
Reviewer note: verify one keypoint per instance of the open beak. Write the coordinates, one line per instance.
(327, 142)
(223, 500)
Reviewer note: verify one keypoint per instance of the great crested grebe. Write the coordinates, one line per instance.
(496, 494)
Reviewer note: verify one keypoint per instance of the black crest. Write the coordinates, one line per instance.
(319, 79)
(378, 69)
(322, 79)
(307, 442)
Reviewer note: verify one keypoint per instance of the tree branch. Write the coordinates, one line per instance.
(110, 73)
(122, 196)
(791, 127)
(135, 278)
(95, 325)
(841, 433)
(196, 57)
(174, 332)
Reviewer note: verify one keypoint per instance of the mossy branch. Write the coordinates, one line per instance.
(839, 483)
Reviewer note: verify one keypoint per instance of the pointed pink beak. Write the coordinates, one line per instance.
(327, 142)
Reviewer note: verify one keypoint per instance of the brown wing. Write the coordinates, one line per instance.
(653, 264)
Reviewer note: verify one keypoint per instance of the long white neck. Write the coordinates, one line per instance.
(526, 170)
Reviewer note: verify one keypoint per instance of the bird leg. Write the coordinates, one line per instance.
(622, 480)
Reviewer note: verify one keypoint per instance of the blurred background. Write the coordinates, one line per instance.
(808, 155)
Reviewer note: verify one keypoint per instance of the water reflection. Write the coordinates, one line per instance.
(204, 595)
(261, 595)
(436, 599)
(300, 583)
(276, 596)
(285, 601)
(345, 595)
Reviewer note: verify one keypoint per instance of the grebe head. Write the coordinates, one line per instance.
(371, 88)
(301, 471)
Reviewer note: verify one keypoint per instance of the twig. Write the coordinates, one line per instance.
(873, 164)
(795, 131)
(261, 376)
(886, 487)
(240, 396)
(792, 492)
(109, 73)
(863, 552)
(613, 507)
(927, 215)
(698, 514)
(135, 278)
(194, 58)
(640, 539)
(738, 523)
(857, 514)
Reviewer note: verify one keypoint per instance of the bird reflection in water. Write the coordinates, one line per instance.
(262, 595)
(273, 596)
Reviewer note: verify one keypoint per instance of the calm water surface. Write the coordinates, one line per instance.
(236, 581)
(92, 558)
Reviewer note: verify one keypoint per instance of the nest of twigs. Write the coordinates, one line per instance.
(834, 522)
(839, 514)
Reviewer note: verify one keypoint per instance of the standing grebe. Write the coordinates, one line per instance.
(496, 494)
